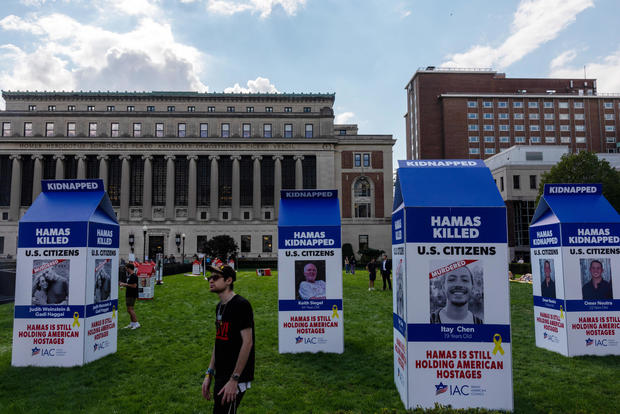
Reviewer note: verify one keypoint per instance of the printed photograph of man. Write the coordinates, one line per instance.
(310, 279)
(103, 280)
(50, 282)
(459, 295)
(547, 275)
(596, 273)
(400, 290)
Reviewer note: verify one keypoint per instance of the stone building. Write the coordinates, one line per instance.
(182, 167)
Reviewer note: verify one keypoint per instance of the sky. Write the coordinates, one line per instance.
(364, 51)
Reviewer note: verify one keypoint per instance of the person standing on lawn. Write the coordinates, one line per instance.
(232, 361)
(131, 294)
(372, 273)
(386, 271)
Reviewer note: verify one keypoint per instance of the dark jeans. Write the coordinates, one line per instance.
(386, 277)
(228, 408)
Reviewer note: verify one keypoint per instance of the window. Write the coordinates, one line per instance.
(608, 105)
(548, 104)
(534, 116)
(269, 109)
(204, 130)
(110, 108)
(92, 129)
(503, 115)
(549, 116)
(504, 139)
(267, 130)
(489, 151)
(488, 127)
(517, 104)
(342, 132)
(211, 109)
(32, 107)
(534, 140)
(504, 127)
(610, 128)
(159, 130)
(150, 109)
(246, 243)
(171, 108)
(580, 117)
(225, 130)
(181, 130)
(518, 116)
(472, 115)
(246, 215)
(51, 108)
(27, 129)
(534, 127)
(230, 109)
(70, 108)
(519, 140)
(249, 109)
(563, 117)
(564, 127)
(472, 127)
(489, 139)
(224, 215)
(474, 150)
(578, 105)
(288, 130)
(6, 129)
(502, 104)
(609, 117)
(563, 105)
(114, 129)
(488, 115)
(247, 130)
(90, 108)
(487, 104)
(473, 138)
(550, 128)
(610, 140)
(357, 162)
(288, 109)
(519, 127)
(472, 104)
(191, 108)
(267, 215)
(516, 182)
(267, 244)
(580, 127)
(565, 140)
(366, 160)
(309, 131)
(137, 129)
(580, 140)
(131, 108)
(49, 129)
(532, 104)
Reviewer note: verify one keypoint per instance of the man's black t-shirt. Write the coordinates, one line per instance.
(236, 315)
(132, 292)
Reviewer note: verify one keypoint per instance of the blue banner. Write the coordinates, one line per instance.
(52, 234)
(456, 225)
(573, 189)
(545, 236)
(309, 305)
(593, 305)
(101, 307)
(103, 235)
(308, 194)
(49, 186)
(441, 163)
(549, 303)
(48, 311)
(448, 332)
(591, 234)
(398, 227)
(400, 325)
(309, 237)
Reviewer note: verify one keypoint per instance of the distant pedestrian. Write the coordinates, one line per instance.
(372, 273)
(347, 266)
(352, 262)
(386, 270)
(131, 294)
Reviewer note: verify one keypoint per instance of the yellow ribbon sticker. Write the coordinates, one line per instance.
(561, 312)
(76, 319)
(113, 311)
(335, 309)
(497, 340)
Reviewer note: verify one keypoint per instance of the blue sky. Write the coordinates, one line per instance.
(365, 51)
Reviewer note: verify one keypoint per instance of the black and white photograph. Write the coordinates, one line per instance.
(547, 278)
(456, 292)
(310, 279)
(103, 280)
(50, 282)
(596, 282)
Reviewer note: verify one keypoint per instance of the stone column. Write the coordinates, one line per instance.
(277, 183)
(169, 213)
(236, 197)
(60, 166)
(214, 199)
(37, 175)
(299, 172)
(103, 170)
(192, 190)
(147, 191)
(81, 166)
(256, 190)
(16, 187)
(125, 187)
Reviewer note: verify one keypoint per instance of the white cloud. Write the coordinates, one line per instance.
(258, 85)
(344, 118)
(133, 7)
(72, 55)
(535, 23)
(264, 7)
(606, 71)
(563, 58)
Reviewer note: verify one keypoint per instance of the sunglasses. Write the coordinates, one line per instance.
(214, 277)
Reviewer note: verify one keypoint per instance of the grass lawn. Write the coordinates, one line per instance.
(159, 368)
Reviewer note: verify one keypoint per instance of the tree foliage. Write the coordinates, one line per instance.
(585, 167)
(347, 250)
(222, 246)
(367, 254)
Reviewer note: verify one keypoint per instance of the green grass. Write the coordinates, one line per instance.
(159, 368)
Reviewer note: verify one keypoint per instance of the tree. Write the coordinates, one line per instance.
(347, 250)
(222, 246)
(367, 254)
(585, 167)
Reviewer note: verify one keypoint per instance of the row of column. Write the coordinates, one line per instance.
(147, 211)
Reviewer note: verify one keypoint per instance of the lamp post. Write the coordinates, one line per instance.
(132, 240)
(177, 240)
(183, 254)
(144, 229)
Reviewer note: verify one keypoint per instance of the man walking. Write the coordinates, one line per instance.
(232, 361)
(131, 294)
(386, 270)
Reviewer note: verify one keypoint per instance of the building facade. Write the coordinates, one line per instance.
(182, 167)
(476, 113)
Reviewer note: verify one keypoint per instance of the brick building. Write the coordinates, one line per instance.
(188, 166)
(476, 113)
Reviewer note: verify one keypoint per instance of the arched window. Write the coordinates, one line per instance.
(362, 198)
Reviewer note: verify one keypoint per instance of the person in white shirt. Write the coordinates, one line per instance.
(311, 288)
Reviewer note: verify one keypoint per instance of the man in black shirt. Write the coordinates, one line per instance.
(131, 294)
(597, 287)
(232, 360)
(547, 287)
(386, 270)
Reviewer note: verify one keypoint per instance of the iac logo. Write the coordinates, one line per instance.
(101, 345)
(36, 351)
(440, 388)
(589, 342)
(299, 340)
(596, 342)
(451, 389)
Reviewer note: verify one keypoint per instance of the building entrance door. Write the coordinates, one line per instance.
(156, 245)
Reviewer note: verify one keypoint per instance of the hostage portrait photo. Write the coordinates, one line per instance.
(456, 292)
(50, 282)
(310, 279)
(103, 280)
(547, 278)
(596, 280)
(399, 284)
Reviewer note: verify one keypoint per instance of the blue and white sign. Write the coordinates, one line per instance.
(310, 315)
(575, 249)
(452, 341)
(66, 294)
